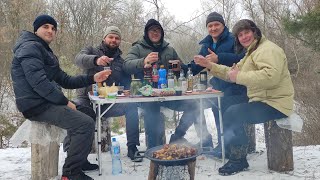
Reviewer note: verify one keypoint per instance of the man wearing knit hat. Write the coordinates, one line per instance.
(92, 60)
(218, 47)
(36, 74)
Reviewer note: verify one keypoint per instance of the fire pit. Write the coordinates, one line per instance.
(182, 168)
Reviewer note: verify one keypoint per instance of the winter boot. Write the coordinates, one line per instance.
(87, 166)
(237, 162)
(133, 152)
(80, 176)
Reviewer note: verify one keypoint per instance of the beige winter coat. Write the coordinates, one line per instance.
(265, 74)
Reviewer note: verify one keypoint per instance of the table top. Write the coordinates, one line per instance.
(127, 99)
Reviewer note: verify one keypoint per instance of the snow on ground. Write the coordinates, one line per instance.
(15, 163)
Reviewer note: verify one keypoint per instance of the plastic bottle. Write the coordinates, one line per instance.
(162, 83)
(95, 89)
(182, 82)
(115, 154)
(170, 77)
(155, 76)
(190, 79)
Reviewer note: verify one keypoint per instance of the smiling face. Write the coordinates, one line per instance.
(246, 37)
(154, 34)
(112, 40)
(47, 32)
(215, 28)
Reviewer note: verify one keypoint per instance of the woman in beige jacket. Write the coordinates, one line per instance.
(264, 71)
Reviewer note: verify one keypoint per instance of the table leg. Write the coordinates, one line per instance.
(98, 121)
(201, 119)
(221, 130)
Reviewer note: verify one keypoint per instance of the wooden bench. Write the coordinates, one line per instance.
(279, 147)
(45, 142)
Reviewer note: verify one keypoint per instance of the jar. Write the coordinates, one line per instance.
(134, 87)
(147, 80)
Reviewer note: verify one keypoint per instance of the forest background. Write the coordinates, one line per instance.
(292, 24)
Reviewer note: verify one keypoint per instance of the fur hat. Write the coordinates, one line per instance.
(43, 19)
(245, 24)
(113, 30)
(214, 16)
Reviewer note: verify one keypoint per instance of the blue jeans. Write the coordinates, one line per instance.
(226, 102)
(236, 116)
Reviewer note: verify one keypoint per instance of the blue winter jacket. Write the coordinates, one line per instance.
(226, 56)
(35, 71)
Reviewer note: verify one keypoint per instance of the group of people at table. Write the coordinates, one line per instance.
(250, 70)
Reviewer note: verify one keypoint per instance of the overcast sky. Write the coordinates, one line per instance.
(183, 10)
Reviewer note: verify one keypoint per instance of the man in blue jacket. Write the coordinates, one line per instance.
(35, 73)
(218, 47)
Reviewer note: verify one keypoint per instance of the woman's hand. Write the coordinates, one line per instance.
(233, 73)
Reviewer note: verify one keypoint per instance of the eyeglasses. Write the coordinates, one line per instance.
(155, 30)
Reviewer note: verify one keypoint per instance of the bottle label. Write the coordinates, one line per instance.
(155, 78)
(184, 86)
(116, 150)
(190, 85)
(170, 83)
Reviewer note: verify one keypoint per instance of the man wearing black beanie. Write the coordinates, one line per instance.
(218, 47)
(35, 74)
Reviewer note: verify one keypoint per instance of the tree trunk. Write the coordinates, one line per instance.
(251, 132)
(44, 161)
(279, 147)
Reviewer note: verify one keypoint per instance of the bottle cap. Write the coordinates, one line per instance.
(114, 139)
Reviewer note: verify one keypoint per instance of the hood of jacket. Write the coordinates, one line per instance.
(153, 22)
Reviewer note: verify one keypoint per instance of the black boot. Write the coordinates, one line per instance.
(80, 176)
(132, 150)
(87, 166)
(237, 162)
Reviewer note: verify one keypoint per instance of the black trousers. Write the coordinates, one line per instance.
(80, 128)
(129, 110)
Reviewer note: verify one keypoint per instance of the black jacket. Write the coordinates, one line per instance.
(86, 58)
(35, 70)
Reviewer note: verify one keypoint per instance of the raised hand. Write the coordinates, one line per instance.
(104, 60)
(151, 58)
(102, 75)
(202, 61)
(212, 57)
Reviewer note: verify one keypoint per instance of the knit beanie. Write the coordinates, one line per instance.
(150, 23)
(113, 30)
(43, 19)
(214, 16)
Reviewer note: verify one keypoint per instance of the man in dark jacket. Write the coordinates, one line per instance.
(153, 49)
(35, 71)
(218, 47)
(92, 60)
